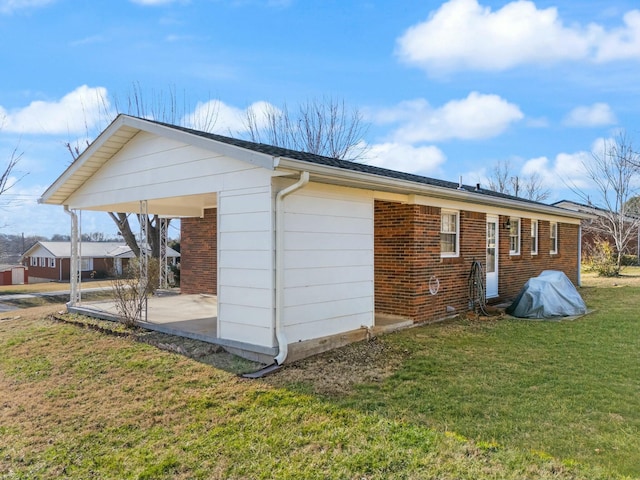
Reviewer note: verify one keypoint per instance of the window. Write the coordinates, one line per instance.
(86, 264)
(41, 261)
(52, 263)
(534, 237)
(553, 229)
(449, 234)
(33, 261)
(514, 236)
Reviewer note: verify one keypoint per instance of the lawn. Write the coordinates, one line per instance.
(489, 399)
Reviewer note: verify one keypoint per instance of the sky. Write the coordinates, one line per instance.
(447, 89)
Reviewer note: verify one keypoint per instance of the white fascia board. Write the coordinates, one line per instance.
(251, 157)
(84, 157)
(377, 182)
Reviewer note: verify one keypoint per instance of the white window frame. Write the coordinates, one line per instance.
(534, 237)
(514, 233)
(33, 261)
(41, 262)
(86, 264)
(456, 214)
(51, 262)
(553, 235)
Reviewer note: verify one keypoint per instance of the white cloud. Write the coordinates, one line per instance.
(594, 115)
(565, 170)
(216, 116)
(476, 116)
(78, 111)
(462, 34)
(10, 6)
(424, 160)
(623, 42)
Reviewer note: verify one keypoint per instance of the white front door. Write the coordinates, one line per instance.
(491, 287)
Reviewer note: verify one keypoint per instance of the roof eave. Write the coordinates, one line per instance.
(372, 181)
(138, 124)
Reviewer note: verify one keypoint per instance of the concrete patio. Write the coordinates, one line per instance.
(191, 316)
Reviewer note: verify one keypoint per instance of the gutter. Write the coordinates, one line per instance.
(283, 348)
(370, 181)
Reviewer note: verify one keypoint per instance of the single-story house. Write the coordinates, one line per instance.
(51, 261)
(13, 275)
(592, 227)
(305, 252)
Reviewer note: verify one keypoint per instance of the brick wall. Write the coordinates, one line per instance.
(198, 254)
(407, 257)
(515, 270)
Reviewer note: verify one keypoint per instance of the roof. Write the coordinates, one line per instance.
(592, 210)
(90, 249)
(5, 266)
(324, 169)
(353, 166)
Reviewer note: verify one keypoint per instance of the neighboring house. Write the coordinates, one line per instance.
(13, 275)
(306, 252)
(51, 261)
(591, 232)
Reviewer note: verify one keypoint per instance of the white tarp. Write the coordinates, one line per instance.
(551, 294)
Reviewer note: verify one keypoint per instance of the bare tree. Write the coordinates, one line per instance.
(502, 180)
(321, 126)
(614, 171)
(6, 179)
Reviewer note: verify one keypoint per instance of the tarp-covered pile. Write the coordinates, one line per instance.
(551, 294)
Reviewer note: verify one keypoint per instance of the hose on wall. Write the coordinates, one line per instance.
(477, 293)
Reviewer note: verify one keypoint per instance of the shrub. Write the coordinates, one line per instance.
(601, 259)
(127, 292)
(629, 260)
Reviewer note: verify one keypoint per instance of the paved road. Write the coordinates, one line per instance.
(4, 307)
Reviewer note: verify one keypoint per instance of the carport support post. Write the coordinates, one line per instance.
(144, 261)
(74, 271)
(163, 252)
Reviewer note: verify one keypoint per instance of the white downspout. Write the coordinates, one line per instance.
(283, 349)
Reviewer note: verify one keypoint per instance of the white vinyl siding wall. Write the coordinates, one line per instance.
(328, 272)
(152, 167)
(245, 265)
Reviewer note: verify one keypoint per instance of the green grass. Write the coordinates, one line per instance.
(569, 389)
(465, 400)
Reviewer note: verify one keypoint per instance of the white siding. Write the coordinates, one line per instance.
(245, 266)
(328, 261)
(151, 167)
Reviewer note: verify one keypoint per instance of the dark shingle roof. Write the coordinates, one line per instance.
(344, 164)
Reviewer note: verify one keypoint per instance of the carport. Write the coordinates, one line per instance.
(291, 269)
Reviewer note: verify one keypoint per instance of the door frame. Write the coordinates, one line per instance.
(492, 278)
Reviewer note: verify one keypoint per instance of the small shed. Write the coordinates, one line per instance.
(14, 275)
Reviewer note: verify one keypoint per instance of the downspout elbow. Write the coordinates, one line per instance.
(283, 348)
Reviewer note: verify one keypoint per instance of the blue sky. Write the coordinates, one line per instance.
(449, 88)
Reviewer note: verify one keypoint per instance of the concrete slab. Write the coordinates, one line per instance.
(193, 316)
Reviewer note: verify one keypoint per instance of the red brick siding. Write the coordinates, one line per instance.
(407, 256)
(515, 270)
(198, 254)
(102, 266)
